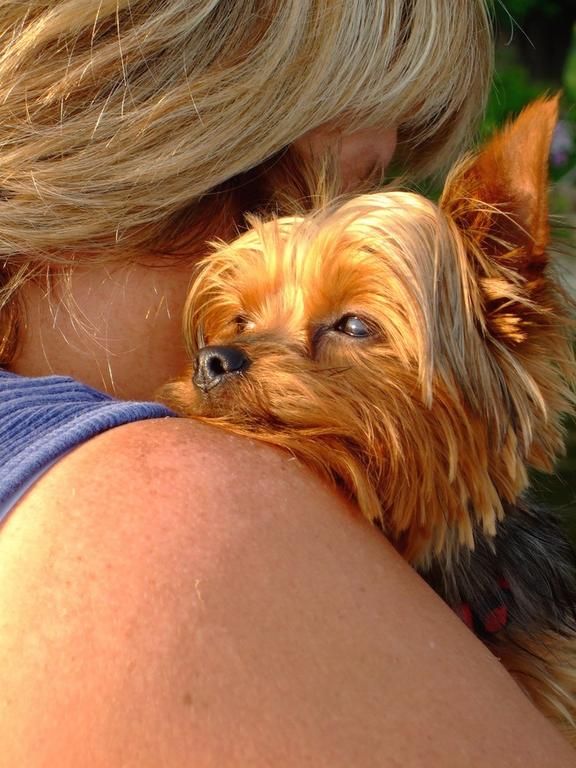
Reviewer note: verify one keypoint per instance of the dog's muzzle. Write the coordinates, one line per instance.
(213, 365)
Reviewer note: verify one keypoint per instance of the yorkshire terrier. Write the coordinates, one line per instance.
(419, 357)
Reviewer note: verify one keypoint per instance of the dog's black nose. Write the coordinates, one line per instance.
(213, 364)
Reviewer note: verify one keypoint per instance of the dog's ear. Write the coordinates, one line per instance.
(498, 201)
(500, 194)
(496, 204)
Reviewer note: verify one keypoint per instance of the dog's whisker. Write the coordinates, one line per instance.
(334, 370)
(200, 339)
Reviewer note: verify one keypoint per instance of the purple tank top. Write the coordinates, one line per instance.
(41, 419)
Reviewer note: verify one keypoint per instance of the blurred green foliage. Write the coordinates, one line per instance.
(525, 69)
(519, 8)
(570, 75)
(536, 54)
(513, 89)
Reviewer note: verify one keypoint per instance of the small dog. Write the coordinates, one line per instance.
(419, 357)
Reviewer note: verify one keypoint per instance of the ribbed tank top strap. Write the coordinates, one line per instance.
(41, 419)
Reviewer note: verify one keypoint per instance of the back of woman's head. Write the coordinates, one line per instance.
(117, 115)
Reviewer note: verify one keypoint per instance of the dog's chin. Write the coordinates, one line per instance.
(225, 403)
(217, 402)
(188, 400)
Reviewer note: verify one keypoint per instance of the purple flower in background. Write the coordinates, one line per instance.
(562, 143)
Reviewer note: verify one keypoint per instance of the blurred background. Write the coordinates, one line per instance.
(535, 54)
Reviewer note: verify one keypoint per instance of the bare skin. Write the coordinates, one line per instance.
(171, 596)
(118, 327)
(177, 607)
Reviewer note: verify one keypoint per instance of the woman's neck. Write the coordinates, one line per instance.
(116, 328)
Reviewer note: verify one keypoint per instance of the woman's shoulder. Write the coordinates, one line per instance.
(147, 477)
(162, 463)
(173, 595)
(43, 418)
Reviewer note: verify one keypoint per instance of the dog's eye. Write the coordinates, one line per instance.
(242, 323)
(352, 325)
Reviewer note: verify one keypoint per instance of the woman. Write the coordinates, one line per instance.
(170, 595)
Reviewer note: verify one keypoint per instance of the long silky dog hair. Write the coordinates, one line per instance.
(419, 357)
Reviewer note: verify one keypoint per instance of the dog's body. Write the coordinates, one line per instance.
(419, 357)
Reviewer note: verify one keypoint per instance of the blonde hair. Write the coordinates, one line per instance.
(118, 115)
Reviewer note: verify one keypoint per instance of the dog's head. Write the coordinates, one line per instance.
(417, 354)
